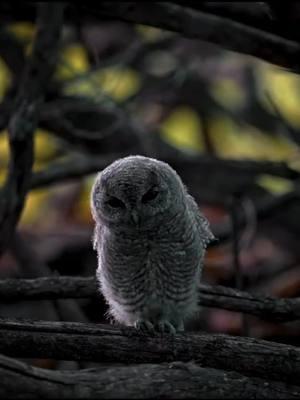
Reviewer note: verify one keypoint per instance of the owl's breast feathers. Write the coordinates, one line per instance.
(166, 264)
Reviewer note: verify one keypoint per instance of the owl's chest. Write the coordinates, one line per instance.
(157, 256)
(133, 271)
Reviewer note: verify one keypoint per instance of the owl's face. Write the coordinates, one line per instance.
(136, 192)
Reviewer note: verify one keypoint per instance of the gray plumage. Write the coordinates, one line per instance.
(150, 238)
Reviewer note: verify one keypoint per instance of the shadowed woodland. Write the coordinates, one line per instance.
(212, 88)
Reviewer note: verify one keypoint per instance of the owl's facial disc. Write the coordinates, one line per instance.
(137, 192)
(134, 204)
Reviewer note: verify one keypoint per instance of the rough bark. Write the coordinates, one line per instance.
(274, 309)
(102, 343)
(150, 381)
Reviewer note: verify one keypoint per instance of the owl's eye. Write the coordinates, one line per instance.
(150, 195)
(115, 203)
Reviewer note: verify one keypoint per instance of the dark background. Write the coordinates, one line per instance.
(228, 122)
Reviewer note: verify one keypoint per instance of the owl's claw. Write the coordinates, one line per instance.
(144, 326)
(165, 327)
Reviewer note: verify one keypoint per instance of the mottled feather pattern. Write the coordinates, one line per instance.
(205, 233)
(150, 238)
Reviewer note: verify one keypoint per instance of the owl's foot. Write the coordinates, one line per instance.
(165, 327)
(144, 326)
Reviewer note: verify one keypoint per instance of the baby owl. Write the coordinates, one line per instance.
(150, 238)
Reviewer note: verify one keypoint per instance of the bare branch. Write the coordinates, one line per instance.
(63, 287)
(33, 267)
(269, 308)
(149, 381)
(192, 23)
(103, 343)
(82, 165)
(93, 126)
(25, 117)
(253, 13)
(76, 167)
(248, 28)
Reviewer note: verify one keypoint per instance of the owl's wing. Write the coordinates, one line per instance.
(202, 223)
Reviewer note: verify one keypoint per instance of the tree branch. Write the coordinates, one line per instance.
(192, 23)
(251, 13)
(248, 29)
(91, 126)
(269, 308)
(82, 165)
(103, 343)
(25, 117)
(33, 268)
(273, 309)
(149, 381)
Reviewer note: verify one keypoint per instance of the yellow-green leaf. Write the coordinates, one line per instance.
(233, 141)
(118, 83)
(284, 90)
(73, 62)
(5, 78)
(35, 207)
(24, 31)
(274, 184)
(228, 93)
(183, 129)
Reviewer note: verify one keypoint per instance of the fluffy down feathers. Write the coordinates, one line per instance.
(150, 238)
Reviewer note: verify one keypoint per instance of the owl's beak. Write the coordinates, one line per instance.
(135, 217)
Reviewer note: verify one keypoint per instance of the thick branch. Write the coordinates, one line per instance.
(192, 23)
(102, 343)
(281, 19)
(173, 380)
(211, 296)
(84, 124)
(76, 167)
(248, 29)
(253, 13)
(81, 165)
(25, 117)
(51, 288)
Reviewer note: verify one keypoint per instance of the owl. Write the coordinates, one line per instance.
(150, 239)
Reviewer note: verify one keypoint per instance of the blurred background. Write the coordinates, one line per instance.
(229, 124)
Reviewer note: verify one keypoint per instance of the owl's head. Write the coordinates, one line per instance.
(136, 192)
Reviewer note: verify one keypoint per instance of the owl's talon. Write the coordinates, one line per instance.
(166, 327)
(144, 326)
